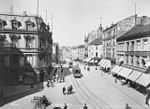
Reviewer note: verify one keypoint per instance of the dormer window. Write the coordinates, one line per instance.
(15, 24)
(29, 24)
(3, 23)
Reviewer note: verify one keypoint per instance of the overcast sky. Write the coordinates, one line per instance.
(72, 19)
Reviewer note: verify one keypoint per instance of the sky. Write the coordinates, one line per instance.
(73, 19)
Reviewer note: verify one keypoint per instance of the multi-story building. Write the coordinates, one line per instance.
(74, 53)
(81, 52)
(55, 53)
(65, 53)
(133, 48)
(78, 52)
(95, 34)
(85, 47)
(113, 32)
(25, 52)
(95, 48)
(134, 45)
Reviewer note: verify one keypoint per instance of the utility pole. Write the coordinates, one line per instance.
(46, 15)
(52, 22)
(37, 7)
(11, 8)
(100, 20)
(135, 13)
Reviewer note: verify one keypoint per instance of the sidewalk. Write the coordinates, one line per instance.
(11, 93)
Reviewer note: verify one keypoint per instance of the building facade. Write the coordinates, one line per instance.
(133, 52)
(112, 33)
(81, 52)
(95, 48)
(25, 50)
(55, 53)
(95, 34)
(134, 45)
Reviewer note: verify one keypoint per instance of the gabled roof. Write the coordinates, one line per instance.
(136, 31)
(97, 41)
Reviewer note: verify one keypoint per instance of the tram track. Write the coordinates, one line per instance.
(83, 94)
(99, 100)
(93, 101)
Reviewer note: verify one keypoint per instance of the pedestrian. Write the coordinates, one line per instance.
(85, 106)
(68, 90)
(127, 106)
(71, 88)
(48, 82)
(147, 98)
(64, 89)
(115, 80)
(45, 101)
(65, 107)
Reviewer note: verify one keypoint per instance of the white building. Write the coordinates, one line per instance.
(81, 52)
(95, 48)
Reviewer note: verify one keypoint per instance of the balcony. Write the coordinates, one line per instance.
(136, 53)
(12, 49)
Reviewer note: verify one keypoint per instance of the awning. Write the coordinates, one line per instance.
(88, 59)
(124, 72)
(92, 61)
(121, 59)
(100, 62)
(104, 63)
(108, 64)
(143, 80)
(134, 75)
(147, 64)
(116, 69)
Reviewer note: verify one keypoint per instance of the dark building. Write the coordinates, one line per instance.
(25, 53)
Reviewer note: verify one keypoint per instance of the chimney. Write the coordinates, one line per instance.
(144, 20)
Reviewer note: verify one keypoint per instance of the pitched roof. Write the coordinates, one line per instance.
(97, 41)
(136, 31)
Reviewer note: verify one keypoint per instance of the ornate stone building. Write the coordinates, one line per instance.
(25, 50)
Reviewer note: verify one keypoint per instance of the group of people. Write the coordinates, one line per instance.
(43, 103)
(57, 76)
(84, 107)
(87, 68)
(67, 90)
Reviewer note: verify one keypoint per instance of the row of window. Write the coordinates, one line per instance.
(28, 41)
(110, 33)
(134, 60)
(138, 45)
(16, 24)
(17, 60)
(109, 42)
